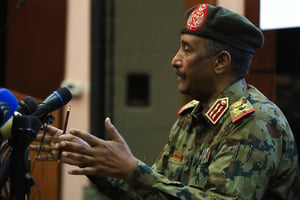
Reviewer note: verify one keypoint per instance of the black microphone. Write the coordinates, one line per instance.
(57, 99)
(25, 107)
(28, 106)
(24, 130)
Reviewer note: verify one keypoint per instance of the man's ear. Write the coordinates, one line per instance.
(223, 62)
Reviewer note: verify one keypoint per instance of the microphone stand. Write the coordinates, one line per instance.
(5, 153)
(24, 130)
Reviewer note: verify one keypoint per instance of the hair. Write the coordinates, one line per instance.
(240, 60)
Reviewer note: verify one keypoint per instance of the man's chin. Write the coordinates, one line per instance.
(182, 90)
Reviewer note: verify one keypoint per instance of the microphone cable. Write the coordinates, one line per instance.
(42, 184)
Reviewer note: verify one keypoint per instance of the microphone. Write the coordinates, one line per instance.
(24, 131)
(23, 128)
(26, 107)
(57, 99)
(8, 105)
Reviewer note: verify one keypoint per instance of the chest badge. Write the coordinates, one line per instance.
(204, 157)
(177, 156)
(217, 110)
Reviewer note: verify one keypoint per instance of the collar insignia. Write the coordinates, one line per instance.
(187, 106)
(196, 18)
(217, 110)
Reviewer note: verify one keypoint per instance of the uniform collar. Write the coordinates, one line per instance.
(219, 106)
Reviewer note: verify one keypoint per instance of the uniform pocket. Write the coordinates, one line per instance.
(174, 169)
(199, 178)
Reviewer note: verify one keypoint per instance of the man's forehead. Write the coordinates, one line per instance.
(192, 39)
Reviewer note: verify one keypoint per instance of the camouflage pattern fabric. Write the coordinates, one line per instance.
(246, 150)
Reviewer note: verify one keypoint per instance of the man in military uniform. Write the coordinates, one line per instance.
(230, 142)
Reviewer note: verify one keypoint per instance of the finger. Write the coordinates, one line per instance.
(52, 130)
(87, 137)
(113, 132)
(83, 171)
(39, 137)
(34, 147)
(73, 138)
(43, 148)
(76, 159)
(46, 157)
(67, 137)
(74, 147)
(47, 148)
(48, 134)
(45, 138)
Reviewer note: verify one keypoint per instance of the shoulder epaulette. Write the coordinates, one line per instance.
(188, 106)
(240, 108)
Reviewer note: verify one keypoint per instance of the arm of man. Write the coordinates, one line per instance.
(113, 158)
(113, 168)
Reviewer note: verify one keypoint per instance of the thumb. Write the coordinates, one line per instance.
(112, 131)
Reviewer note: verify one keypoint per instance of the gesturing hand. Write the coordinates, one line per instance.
(111, 158)
(46, 144)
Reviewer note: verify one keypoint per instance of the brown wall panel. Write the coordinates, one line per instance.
(265, 82)
(265, 58)
(35, 47)
(264, 62)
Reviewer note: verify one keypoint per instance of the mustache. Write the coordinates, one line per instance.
(179, 73)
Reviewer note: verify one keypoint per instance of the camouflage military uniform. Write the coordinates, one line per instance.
(241, 147)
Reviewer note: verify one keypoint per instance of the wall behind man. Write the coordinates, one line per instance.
(146, 39)
(77, 70)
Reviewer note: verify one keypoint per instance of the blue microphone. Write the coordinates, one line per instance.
(8, 105)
